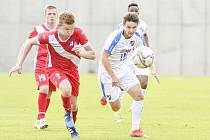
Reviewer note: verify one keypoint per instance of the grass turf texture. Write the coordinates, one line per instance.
(177, 109)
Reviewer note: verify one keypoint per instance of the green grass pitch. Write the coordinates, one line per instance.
(177, 109)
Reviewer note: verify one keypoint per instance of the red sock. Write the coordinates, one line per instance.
(66, 103)
(42, 105)
(47, 104)
(74, 116)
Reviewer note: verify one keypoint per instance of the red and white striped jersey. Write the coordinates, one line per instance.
(41, 58)
(61, 54)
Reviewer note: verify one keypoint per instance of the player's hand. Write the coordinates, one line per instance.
(79, 50)
(115, 81)
(156, 76)
(16, 68)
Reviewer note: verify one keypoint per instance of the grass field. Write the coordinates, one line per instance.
(177, 109)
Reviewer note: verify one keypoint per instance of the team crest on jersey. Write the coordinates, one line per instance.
(71, 43)
(132, 43)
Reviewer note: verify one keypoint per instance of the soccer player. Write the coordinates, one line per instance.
(114, 73)
(44, 85)
(66, 46)
(141, 73)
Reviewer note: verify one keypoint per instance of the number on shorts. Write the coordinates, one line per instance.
(108, 97)
(42, 77)
(57, 75)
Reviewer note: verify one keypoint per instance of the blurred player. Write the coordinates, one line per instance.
(40, 65)
(141, 73)
(114, 73)
(64, 57)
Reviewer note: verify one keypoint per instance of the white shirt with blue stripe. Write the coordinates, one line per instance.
(120, 49)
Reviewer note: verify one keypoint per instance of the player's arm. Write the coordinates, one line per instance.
(108, 68)
(153, 67)
(23, 54)
(86, 51)
(146, 40)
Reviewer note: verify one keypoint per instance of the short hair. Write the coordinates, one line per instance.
(49, 7)
(66, 17)
(131, 17)
(133, 4)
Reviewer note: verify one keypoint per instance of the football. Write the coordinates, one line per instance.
(143, 56)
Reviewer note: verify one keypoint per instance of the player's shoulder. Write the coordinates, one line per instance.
(115, 36)
(116, 32)
(40, 28)
(78, 30)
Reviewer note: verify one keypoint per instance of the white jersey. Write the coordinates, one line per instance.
(141, 30)
(120, 49)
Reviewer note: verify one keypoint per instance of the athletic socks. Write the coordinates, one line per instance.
(42, 105)
(74, 116)
(136, 110)
(47, 104)
(66, 103)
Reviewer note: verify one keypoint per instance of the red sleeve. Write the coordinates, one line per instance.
(43, 38)
(82, 37)
(33, 33)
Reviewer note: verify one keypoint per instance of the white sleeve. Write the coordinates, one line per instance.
(112, 40)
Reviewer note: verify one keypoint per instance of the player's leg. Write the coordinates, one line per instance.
(142, 75)
(143, 79)
(112, 95)
(62, 82)
(117, 115)
(131, 84)
(42, 82)
(74, 107)
(136, 109)
(52, 89)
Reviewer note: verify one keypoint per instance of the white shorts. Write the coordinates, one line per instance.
(142, 71)
(111, 93)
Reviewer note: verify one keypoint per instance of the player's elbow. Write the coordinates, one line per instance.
(93, 56)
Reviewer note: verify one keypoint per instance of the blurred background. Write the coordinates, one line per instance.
(179, 30)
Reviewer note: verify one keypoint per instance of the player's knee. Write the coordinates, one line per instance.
(44, 89)
(74, 107)
(116, 108)
(49, 95)
(66, 91)
(144, 84)
(139, 97)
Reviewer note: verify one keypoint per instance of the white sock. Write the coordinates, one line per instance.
(144, 91)
(136, 110)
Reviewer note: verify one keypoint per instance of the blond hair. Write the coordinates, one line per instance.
(66, 17)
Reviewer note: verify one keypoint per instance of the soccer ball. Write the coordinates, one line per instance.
(143, 57)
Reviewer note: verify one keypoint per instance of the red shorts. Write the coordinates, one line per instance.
(57, 75)
(43, 79)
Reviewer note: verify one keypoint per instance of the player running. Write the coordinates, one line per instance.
(114, 73)
(64, 57)
(45, 87)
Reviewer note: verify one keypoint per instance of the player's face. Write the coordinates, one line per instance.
(51, 15)
(134, 9)
(129, 29)
(67, 29)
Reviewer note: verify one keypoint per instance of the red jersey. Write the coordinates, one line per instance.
(61, 54)
(41, 58)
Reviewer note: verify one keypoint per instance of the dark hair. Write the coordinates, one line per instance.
(133, 4)
(131, 16)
